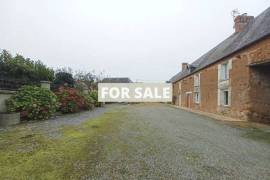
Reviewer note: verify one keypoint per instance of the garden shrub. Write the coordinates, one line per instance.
(94, 95)
(80, 86)
(71, 100)
(89, 102)
(63, 79)
(34, 103)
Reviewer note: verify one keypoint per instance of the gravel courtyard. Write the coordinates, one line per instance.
(141, 141)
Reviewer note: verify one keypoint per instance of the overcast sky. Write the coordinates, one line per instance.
(146, 40)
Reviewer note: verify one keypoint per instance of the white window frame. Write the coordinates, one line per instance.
(224, 83)
(226, 98)
(197, 97)
(224, 71)
(197, 93)
(223, 101)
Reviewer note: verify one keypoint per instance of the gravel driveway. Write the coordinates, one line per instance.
(51, 127)
(160, 142)
(141, 141)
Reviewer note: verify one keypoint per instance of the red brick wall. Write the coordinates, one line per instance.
(250, 87)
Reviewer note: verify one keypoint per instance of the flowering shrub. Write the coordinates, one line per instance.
(71, 100)
(33, 103)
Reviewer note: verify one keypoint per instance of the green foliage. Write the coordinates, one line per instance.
(42, 72)
(89, 102)
(94, 95)
(33, 103)
(63, 78)
(80, 86)
(22, 68)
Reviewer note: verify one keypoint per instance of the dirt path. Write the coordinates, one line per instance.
(144, 141)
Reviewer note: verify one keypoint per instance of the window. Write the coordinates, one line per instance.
(224, 72)
(197, 79)
(197, 97)
(224, 97)
(179, 87)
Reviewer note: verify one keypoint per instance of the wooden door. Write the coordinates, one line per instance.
(188, 100)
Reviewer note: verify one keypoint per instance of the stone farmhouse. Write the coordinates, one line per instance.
(233, 78)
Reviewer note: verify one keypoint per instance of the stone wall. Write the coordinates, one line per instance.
(209, 89)
(260, 94)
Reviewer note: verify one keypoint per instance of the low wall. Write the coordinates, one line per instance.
(4, 95)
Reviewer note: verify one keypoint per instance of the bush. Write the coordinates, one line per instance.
(89, 101)
(63, 79)
(71, 100)
(33, 103)
(80, 86)
(94, 95)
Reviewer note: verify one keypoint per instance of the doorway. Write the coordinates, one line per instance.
(188, 99)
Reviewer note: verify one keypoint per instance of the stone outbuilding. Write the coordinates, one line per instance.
(233, 78)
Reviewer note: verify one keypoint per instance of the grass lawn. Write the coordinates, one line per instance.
(27, 155)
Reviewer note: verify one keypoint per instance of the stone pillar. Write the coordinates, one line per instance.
(4, 95)
(7, 119)
(45, 84)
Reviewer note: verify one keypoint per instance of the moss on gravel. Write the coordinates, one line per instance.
(26, 155)
(258, 134)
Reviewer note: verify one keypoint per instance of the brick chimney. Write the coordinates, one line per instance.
(184, 66)
(241, 21)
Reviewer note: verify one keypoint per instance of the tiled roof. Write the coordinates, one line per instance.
(116, 80)
(254, 31)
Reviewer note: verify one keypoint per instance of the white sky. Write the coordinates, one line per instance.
(146, 40)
